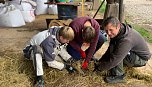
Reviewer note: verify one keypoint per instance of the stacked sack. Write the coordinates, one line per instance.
(26, 7)
(41, 8)
(16, 12)
(10, 16)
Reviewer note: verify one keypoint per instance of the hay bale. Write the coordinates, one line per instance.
(60, 22)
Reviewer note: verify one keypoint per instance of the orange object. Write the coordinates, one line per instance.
(82, 7)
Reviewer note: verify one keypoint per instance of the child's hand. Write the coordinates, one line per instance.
(85, 65)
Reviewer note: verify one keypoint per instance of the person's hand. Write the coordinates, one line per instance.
(83, 54)
(70, 61)
(70, 69)
(96, 67)
(85, 65)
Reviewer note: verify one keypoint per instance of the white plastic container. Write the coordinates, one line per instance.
(52, 9)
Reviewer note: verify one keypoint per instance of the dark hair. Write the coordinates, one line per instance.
(88, 34)
(113, 20)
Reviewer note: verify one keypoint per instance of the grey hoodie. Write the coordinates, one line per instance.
(127, 40)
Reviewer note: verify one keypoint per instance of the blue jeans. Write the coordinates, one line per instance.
(77, 56)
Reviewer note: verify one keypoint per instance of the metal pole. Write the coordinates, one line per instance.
(98, 9)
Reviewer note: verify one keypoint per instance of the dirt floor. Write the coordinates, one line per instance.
(139, 12)
(17, 72)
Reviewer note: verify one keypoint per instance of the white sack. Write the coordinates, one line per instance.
(16, 4)
(26, 6)
(28, 15)
(3, 10)
(41, 8)
(12, 18)
(22, 6)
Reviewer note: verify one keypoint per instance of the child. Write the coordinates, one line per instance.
(87, 33)
(50, 45)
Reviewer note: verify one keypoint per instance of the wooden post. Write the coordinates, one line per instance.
(112, 9)
(82, 7)
(121, 11)
(115, 8)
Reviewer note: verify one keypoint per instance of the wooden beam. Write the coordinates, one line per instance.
(121, 11)
(82, 7)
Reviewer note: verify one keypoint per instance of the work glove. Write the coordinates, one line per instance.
(83, 55)
(27, 51)
(70, 69)
(70, 61)
(96, 69)
(85, 65)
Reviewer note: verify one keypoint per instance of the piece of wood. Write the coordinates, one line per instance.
(112, 10)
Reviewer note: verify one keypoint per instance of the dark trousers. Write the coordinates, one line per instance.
(77, 56)
(131, 60)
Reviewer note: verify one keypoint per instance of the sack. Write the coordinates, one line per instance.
(3, 10)
(28, 15)
(23, 6)
(41, 8)
(12, 17)
(59, 22)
